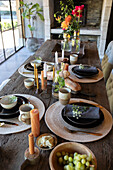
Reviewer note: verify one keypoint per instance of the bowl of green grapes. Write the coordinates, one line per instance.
(72, 156)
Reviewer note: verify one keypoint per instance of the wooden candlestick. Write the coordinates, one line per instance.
(33, 159)
(35, 122)
(31, 143)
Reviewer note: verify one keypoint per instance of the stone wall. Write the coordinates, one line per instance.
(94, 10)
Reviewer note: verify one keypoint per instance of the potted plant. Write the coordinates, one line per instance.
(29, 12)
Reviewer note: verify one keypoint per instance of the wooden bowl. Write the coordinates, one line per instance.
(68, 147)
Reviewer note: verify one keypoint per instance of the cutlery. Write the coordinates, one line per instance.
(27, 72)
(90, 133)
(10, 123)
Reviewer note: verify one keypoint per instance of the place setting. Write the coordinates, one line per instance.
(78, 120)
(85, 73)
(15, 112)
(28, 69)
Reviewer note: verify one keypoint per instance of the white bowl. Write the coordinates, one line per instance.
(37, 62)
(29, 83)
(8, 102)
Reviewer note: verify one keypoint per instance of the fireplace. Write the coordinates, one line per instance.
(95, 22)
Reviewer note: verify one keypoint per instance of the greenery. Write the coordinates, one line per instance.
(65, 9)
(30, 10)
(7, 25)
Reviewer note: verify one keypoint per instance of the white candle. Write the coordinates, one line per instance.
(45, 70)
(56, 57)
(62, 54)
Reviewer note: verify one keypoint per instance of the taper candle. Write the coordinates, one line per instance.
(66, 66)
(35, 122)
(35, 71)
(53, 73)
(45, 69)
(62, 54)
(42, 80)
(56, 57)
(37, 83)
(31, 143)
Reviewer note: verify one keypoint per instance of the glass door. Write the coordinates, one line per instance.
(11, 37)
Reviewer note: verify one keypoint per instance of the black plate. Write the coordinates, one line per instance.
(83, 123)
(81, 73)
(14, 112)
(29, 67)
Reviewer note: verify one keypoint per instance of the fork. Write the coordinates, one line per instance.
(90, 133)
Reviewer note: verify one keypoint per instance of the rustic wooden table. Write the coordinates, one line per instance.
(12, 146)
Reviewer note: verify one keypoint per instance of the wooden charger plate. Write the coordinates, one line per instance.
(93, 79)
(56, 124)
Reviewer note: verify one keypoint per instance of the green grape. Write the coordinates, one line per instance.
(63, 153)
(89, 158)
(83, 156)
(82, 167)
(67, 153)
(71, 164)
(58, 154)
(83, 161)
(87, 163)
(75, 154)
(78, 157)
(69, 167)
(60, 160)
(78, 165)
(75, 162)
(66, 157)
(70, 159)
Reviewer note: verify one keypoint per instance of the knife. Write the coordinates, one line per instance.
(10, 123)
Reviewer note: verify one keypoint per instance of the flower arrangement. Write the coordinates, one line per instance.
(71, 22)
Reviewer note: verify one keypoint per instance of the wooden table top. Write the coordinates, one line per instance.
(12, 146)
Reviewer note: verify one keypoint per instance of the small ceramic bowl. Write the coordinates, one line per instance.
(8, 102)
(37, 62)
(29, 83)
(39, 139)
(70, 147)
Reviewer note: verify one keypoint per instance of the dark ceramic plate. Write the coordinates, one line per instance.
(29, 67)
(14, 112)
(82, 123)
(88, 71)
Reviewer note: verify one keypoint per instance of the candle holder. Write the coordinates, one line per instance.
(34, 158)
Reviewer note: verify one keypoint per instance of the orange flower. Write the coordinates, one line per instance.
(64, 25)
(58, 19)
(68, 18)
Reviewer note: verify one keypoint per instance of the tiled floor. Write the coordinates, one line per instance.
(12, 64)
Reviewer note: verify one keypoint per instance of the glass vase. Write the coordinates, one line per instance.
(76, 42)
(66, 44)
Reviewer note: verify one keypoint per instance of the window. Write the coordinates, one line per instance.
(11, 37)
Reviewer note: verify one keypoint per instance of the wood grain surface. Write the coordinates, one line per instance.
(12, 146)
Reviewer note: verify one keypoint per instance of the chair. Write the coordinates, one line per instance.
(4, 83)
(107, 61)
(109, 88)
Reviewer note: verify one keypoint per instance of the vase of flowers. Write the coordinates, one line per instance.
(71, 22)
